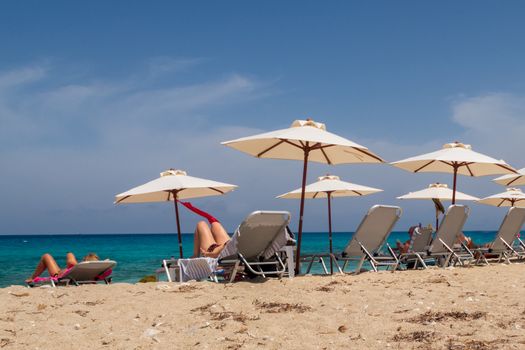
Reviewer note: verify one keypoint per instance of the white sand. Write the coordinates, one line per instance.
(461, 308)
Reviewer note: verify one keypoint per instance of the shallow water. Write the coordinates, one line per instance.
(138, 255)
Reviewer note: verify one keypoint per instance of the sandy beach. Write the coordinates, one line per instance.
(456, 308)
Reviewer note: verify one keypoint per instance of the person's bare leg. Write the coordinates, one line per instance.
(219, 233)
(71, 260)
(196, 244)
(205, 237)
(46, 262)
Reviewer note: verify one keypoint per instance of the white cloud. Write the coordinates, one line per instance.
(494, 124)
(68, 148)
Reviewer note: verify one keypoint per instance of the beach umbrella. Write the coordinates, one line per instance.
(330, 186)
(305, 140)
(438, 192)
(173, 185)
(513, 179)
(456, 158)
(513, 197)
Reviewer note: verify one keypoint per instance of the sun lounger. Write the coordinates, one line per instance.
(441, 249)
(369, 238)
(502, 246)
(421, 241)
(82, 273)
(256, 247)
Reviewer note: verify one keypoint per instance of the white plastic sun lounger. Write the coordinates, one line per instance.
(441, 249)
(255, 247)
(421, 242)
(369, 238)
(89, 272)
(502, 246)
(82, 273)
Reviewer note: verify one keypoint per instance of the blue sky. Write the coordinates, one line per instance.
(98, 97)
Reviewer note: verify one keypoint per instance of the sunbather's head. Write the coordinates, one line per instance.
(91, 257)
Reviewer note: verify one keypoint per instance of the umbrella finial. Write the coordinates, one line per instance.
(308, 122)
(328, 177)
(438, 185)
(173, 172)
(457, 144)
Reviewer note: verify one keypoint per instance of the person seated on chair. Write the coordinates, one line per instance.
(404, 247)
(47, 262)
(468, 242)
(209, 239)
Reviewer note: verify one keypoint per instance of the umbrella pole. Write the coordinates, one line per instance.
(178, 222)
(437, 220)
(454, 185)
(329, 195)
(301, 212)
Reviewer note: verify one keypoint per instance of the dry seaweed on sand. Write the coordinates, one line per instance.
(475, 344)
(324, 289)
(185, 288)
(438, 316)
(417, 336)
(203, 307)
(236, 316)
(5, 342)
(276, 307)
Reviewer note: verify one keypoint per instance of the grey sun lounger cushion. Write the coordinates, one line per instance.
(507, 234)
(447, 234)
(509, 229)
(369, 238)
(87, 271)
(373, 230)
(422, 239)
(260, 236)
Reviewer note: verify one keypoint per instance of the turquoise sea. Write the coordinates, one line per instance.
(137, 255)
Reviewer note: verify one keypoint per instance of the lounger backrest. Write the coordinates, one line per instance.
(509, 229)
(373, 229)
(88, 270)
(451, 226)
(422, 239)
(259, 230)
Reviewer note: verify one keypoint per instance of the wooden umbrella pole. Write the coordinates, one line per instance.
(455, 182)
(301, 212)
(437, 220)
(178, 222)
(329, 195)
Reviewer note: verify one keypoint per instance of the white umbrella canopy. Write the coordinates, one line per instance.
(513, 179)
(304, 135)
(173, 182)
(173, 185)
(436, 192)
(456, 158)
(513, 197)
(305, 140)
(330, 186)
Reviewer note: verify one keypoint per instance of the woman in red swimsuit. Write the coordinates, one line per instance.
(209, 238)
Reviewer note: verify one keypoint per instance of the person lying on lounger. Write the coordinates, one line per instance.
(47, 262)
(404, 247)
(209, 239)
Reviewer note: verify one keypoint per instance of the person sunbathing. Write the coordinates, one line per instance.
(209, 239)
(47, 262)
(468, 242)
(405, 246)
